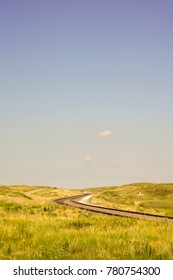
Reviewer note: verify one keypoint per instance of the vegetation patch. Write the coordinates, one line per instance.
(41, 229)
(141, 197)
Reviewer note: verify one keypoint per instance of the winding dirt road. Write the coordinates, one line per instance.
(78, 201)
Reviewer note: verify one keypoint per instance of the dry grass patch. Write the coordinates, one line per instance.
(32, 226)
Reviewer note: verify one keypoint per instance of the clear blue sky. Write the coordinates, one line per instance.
(86, 92)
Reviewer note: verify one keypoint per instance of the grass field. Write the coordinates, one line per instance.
(32, 226)
(141, 197)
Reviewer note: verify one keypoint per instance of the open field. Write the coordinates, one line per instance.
(141, 197)
(32, 226)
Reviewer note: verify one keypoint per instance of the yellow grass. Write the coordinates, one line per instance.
(32, 226)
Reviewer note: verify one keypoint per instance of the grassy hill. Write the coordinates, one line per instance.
(32, 226)
(30, 199)
(141, 197)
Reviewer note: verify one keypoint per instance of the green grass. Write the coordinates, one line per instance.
(37, 228)
(141, 197)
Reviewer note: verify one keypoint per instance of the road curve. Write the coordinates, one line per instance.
(75, 201)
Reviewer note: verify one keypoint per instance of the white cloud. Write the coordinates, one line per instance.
(88, 158)
(106, 133)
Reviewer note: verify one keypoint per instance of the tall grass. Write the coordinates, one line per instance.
(37, 228)
(71, 234)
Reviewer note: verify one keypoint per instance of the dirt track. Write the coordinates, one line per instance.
(76, 201)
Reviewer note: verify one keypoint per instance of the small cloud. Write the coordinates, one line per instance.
(88, 158)
(106, 133)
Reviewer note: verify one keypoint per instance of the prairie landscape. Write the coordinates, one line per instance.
(33, 226)
(86, 97)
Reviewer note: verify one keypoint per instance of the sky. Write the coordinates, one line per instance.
(86, 92)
